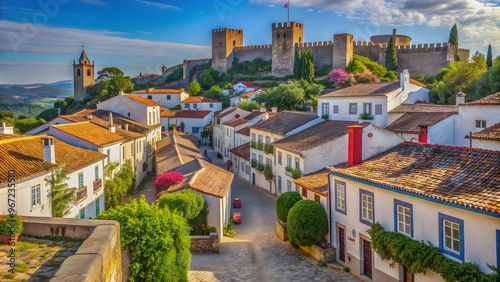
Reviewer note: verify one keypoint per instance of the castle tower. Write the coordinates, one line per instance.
(224, 40)
(83, 76)
(342, 50)
(284, 38)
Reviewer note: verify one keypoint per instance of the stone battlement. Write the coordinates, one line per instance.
(265, 46)
(287, 25)
(230, 30)
(314, 44)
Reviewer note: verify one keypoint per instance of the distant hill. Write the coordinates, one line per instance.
(62, 84)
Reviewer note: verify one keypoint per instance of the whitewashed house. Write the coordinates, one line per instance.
(7, 128)
(241, 161)
(168, 98)
(191, 121)
(219, 118)
(488, 138)
(430, 193)
(374, 99)
(264, 133)
(244, 97)
(244, 86)
(200, 103)
(42, 155)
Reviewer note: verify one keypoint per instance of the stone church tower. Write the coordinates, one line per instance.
(83, 76)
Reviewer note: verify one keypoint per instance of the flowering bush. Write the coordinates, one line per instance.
(338, 76)
(164, 180)
(229, 163)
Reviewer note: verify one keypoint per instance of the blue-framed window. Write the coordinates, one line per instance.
(211, 105)
(340, 197)
(366, 207)
(403, 217)
(195, 106)
(451, 236)
(186, 106)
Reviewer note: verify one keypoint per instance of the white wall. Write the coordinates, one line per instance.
(343, 103)
(175, 99)
(485, 144)
(126, 107)
(411, 94)
(219, 130)
(443, 132)
(466, 121)
(202, 106)
(189, 123)
(240, 168)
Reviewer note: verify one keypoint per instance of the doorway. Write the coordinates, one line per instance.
(341, 244)
(367, 258)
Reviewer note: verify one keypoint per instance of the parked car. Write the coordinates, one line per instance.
(237, 218)
(236, 203)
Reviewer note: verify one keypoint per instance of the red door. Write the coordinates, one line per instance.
(367, 258)
(408, 276)
(422, 137)
(341, 244)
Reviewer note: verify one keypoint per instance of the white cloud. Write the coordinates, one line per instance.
(94, 2)
(272, 5)
(159, 5)
(310, 10)
(57, 40)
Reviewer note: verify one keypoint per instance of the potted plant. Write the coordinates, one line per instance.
(365, 116)
(229, 163)
(10, 228)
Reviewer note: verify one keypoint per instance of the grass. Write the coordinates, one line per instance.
(35, 254)
(322, 263)
(22, 267)
(9, 276)
(25, 246)
(346, 269)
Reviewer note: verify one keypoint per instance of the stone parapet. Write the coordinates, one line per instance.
(205, 244)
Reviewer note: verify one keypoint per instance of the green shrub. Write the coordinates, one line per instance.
(188, 203)
(269, 84)
(176, 108)
(48, 114)
(197, 223)
(285, 202)
(7, 222)
(121, 182)
(260, 146)
(228, 230)
(157, 238)
(254, 163)
(307, 221)
(260, 167)
(268, 173)
(175, 75)
(326, 69)
(253, 144)
(366, 116)
(269, 149)
(296, 173)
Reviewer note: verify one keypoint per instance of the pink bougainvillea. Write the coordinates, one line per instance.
(229, 163)
(164, 180)
(338, 76)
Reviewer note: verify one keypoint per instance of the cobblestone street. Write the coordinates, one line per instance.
(256, 253)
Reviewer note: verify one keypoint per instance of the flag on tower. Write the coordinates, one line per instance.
(287, 5)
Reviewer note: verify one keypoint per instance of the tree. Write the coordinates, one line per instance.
(391, 59)
(214, 93)
(307, 221)
(360, 64)
(487, 84)
(194, 88)
(206, 79)
(177, 74)
(205, 134)
(304, 65)
(228, 86)
(187, 203)
(454, 36)
(248, 106)
(60, 104)
(108, 73)
(120, 83)
(489, 57)
(496, 62)
(8, 117)
(285, 202)
(62, 196)
(285, 96)
(118, 184)
(48, 114)
(27, 124)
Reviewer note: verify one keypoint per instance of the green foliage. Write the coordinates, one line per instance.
(346, 269)
(157, 238)
(489, 57)
(391, 59)
(8, 117)
(307, 221)
(454, 35)
(108, 73)
(176, 108)
(205, 134)
(228, 86)
(109, 83)
(304, 65)
(296, 173)
(487, 84)
(48, 114)
(206, 79)
(120, 83)
(60, 104)
(254, 67)
(260, 146)
(177, 74)
(254, 163)
(188, 203)
(260, 167)
(194, 88)
(366, 116)
(253, 144)
(285, 96)
(285, 202)
(6, 223)
(269, 149)
(496, 61)
(197, 222)
(62, 196)
(119, 184)
(248, 106)
(359, 64)
(325, 116)
(419, 256)
(326, 69)
(214, 93)
(310, 88)
(26, 124)
(268, 84)
(268, 173)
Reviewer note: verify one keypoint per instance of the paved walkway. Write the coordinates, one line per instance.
(256, 253)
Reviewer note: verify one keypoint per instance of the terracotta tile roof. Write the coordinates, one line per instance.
(493, 99)
(314, 136)
(117, 119)
(226, 112)
(90, 132)
(246, 83)
(417, 83)
(253, 115)
(203, 177)
(185, 114)
(199, 99)
(147, 75)
(422, 107)
(174, 151)
(411, 122)
(285, 122)
(244, 131)
(159, 91)
(317, 183)
(236, 122)
(242, 151)
(489, 133)
(143, 100)
(24, 154)
(249, 93)
(209, 126)
(188, 136)
(104, 123)
(365, 89)
(463, 176)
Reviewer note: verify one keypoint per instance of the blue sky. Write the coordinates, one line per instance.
(40, 39)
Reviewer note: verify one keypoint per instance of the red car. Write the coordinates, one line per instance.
(237, 218)
(236, 203)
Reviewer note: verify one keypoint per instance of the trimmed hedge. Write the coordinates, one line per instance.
(307, 221)
(285, 202)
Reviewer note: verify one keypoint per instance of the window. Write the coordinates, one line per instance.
(218, 121)
(82, 213)
(340, 197)
(297, 188)
(195, 130)
(480, 123)
(109, 154)
(88, 72)
(128, 114)
(150, 120)
(367, 108)
(195, 106)
(278, 38)
(300, 39)
(403, 217)
(288, 161)
(279, 184)
(268, 140)
(254, 156)
(253, 137)
(36, 197)
(280, 156)
(169, 97)
(317, 199)
(248, 169)
(284, 35)
(297, 163)
(304, 192)
(150, 97)
(335, 109)
(96, 172)
(353, 108)
(261, 160)
(234, 43)
(211, 105)
(78, 72)
(325, 109)
(378, 109)
(289, 185)
(261, 138)
(132, 149)
(80, 180)
(451, 236)
(366, 213)
(269, 162)
(97, 207)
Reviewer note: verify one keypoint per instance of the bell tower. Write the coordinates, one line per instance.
(83, 76)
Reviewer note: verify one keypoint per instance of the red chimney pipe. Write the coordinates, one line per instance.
(355, 153)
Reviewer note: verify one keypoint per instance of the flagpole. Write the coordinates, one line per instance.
(288, 11)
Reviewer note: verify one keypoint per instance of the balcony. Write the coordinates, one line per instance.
(97, 185)
(81, 194)
(269, 149)
(260, 146)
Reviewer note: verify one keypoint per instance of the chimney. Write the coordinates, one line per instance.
(265, 117)
(163, 69)
(120, 93)
(422, 136)
(263, 110)
(140, 74)
(404, 80)
(274, 109)
(49, 154)
(355, 150)
(460, 98)
(110, 123)
(126, 126)
(394, 32)
(88, 117)
(58, 111)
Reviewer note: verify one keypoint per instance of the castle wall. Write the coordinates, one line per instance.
(369, 50)
(322, 51)
(248, 53)
(425, 59)
(169, 70)
(189, 65)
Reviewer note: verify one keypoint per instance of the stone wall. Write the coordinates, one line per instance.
(205, 244)
(248, 53)
(191, 67)
(322, 51)
(99, 256)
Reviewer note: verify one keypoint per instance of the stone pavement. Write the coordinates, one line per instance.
(256, 253)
